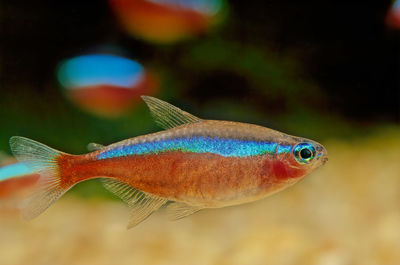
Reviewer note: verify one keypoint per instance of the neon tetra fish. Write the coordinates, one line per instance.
(193, 164)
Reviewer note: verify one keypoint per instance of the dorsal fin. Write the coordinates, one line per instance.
(166, 115)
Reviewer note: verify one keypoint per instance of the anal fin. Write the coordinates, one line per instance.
(179, 210)
(142, 204)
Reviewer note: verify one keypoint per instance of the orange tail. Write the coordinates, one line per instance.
(42, 159)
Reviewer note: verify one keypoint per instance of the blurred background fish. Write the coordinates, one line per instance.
(71, 73)
(17, 182)
(393, 16)
(105, 84)
(168, 21)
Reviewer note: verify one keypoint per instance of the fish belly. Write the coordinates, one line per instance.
(204, 179)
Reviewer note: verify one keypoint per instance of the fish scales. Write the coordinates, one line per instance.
(210, 166)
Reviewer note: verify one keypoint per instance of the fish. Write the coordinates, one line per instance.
(16, 182)
(192, 164)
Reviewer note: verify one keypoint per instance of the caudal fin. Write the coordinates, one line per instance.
(43, 160)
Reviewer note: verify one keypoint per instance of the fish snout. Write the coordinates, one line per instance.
(322, 154)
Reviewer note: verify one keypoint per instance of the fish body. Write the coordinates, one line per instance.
(194, 163)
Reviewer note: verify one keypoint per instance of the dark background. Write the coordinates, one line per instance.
(325, 60)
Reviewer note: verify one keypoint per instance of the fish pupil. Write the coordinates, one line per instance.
(305, 153)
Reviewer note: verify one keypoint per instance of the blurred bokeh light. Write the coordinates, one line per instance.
(16, 181)
(13, 170)
(106, 85)
(167, 21)
(393, 15)
(324, 70)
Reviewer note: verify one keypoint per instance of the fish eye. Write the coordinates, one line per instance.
(304, 153)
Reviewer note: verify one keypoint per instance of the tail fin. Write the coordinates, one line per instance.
(42, 159)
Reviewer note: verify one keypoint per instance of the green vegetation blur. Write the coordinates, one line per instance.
(239, 71)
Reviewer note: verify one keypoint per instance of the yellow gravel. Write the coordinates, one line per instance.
(347, 212)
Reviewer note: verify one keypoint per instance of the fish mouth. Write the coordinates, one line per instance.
(324, 160)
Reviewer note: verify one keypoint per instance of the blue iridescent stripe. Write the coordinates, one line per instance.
(284, 149)
(198, 144)
(14, 170)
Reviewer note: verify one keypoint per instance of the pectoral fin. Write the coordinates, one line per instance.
(142, 204)
(179, 210)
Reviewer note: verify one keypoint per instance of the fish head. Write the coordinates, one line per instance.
(304, 157)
